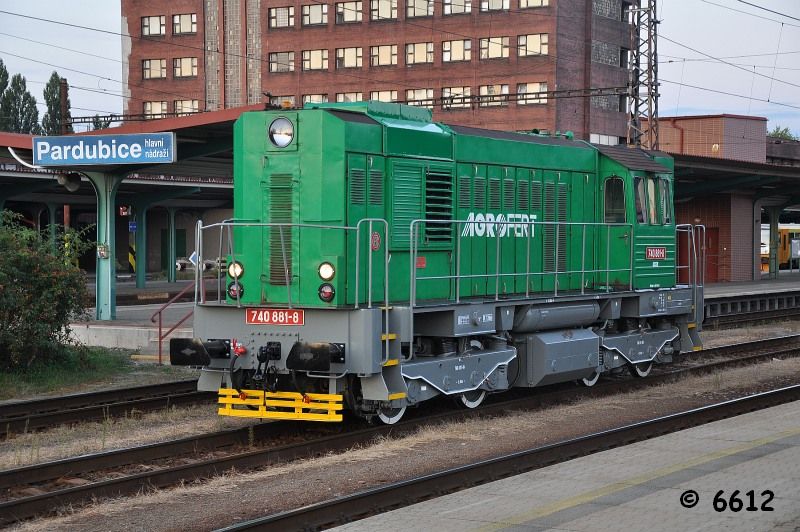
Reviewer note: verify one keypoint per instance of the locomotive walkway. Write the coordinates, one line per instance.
(132, 328)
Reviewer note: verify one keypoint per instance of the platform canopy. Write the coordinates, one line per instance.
(200, 177)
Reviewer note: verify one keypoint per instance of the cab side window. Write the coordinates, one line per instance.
(666, 204)
(614, 201)
(641, 199)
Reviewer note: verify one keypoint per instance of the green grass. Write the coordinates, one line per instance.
(78, 365)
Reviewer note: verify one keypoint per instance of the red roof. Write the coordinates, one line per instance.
(16, 140)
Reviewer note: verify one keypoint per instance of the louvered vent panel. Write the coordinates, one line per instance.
(280, 238)
(357, 186)
(494, 194)
(438, 205)
(523, 197)
(375, 187)
(563, 229)
(536, 196)
(480, 193)
(463, 193)
(508, 195)
(405, 201)
(549, 229)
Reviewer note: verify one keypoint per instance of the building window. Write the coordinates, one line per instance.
(609, 140)
(533, 44)
(494, 47)
(348, 12)
(419, 8)
(155, 109)
(420, 97)
(315, 98)
(528, 93)
(154, 25)
(154, 68)
(315, 59)
(421, 52)
(533, 3)
(456, 97)
(184, 67)
(383, 9)
(383, 96)
(282, 101)
(494, 5)
(493, 95)
(281, 62)
(383, 55)
(350, 97)
(184, 23)
(185, 107)
(315, 14)
(457, 7)
(281, 17)
(456, 50)
(348, 57)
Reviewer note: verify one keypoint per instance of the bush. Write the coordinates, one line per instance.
(42, 290)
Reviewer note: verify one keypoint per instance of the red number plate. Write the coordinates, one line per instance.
(655, 253)
(274, 316)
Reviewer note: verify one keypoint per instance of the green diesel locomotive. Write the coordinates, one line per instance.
(378, 259)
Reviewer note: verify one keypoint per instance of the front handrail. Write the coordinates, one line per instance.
(229, 226)
(160, 311)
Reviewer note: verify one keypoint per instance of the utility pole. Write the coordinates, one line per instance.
(643, 76)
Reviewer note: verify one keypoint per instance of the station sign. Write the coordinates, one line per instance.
(81, 150)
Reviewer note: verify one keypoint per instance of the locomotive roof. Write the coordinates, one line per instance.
(510, 135)
(633, 158)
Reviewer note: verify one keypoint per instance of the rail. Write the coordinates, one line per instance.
(160, 314)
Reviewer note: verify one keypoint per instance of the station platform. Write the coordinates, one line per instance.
(638, 487)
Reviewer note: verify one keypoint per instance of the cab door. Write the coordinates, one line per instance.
(614, 239)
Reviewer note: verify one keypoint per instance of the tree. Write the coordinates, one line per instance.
(3, 87)
(99, 123)
(779, 132)
(51, 121)
(42, 291)
(18, 108)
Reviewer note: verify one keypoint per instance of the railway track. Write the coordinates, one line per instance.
(346, 509)
(39, 489)
(26, 416)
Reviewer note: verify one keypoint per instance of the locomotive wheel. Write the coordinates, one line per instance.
(390, 416)
(640, 370)
(471, 399)
(591, 380)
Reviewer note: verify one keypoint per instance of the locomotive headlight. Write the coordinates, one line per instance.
(326, 292)
(235, 290)
(281, 132)
(235, 269)
(326, 271)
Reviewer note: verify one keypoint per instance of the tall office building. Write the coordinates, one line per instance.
(502, 64)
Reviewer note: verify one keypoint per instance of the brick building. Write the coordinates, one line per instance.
(483, 63)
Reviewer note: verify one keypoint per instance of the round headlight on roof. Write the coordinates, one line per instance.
(281, 132)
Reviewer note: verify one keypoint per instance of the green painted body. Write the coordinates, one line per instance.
(351, 162)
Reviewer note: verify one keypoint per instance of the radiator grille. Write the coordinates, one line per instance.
(494, 194)
(375, 187)
(357, 185)
(280, 238)
(438, 205)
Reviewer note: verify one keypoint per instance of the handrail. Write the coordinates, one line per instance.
(160, 311)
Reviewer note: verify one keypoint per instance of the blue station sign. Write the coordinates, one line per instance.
(139, 148)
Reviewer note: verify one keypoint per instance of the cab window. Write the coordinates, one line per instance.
(652, 204)
(614, 201)
(666, 211)
(641, 199)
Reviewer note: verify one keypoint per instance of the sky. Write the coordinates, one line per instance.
(701, 49)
